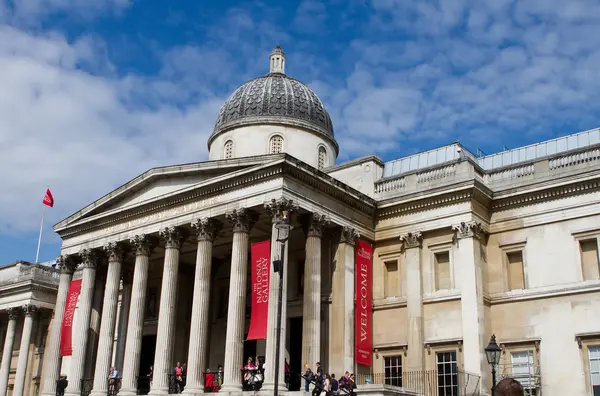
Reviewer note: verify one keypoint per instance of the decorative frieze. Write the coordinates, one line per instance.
(242, 220)
(114, 251)
(411, 240)
(89, 258)
(469, 229)
(206, 228)
(144, 244)
(277, 207)
(173, 237)
(349, 235)
(316, 223)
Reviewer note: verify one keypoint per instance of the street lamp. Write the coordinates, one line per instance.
(492, 352)
(283, 228)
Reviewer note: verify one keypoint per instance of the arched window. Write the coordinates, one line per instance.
(322, 161)
(228, 150)
(276, 145)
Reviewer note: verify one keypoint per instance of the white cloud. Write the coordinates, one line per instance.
(30, 11)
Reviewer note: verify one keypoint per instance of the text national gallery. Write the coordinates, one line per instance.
(392, 276)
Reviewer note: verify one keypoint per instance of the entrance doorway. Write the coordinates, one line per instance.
(147, 354)
(249, 351)
(295, 353)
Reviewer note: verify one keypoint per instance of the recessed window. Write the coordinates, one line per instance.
(589, 259)
(523, 370)
(276, 145)
(391, 279)
(322, 157)
(228, 150)
(594, 361)
(392, 366)
(514, 267)
(442, 271)
(447, 373)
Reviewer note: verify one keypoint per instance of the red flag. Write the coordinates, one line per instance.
(48, 199)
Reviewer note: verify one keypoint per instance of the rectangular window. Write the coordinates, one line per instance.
(589, 259)
(523, 370)
(392, 370)
(442, 271)
(391, 279)
(516, 278)
(594, 358)
(447, 373)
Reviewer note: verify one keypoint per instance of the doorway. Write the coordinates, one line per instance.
(249, 351)
(147, 354)
(295, 326)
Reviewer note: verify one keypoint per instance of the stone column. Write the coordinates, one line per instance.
(468, 260)
(135, 323)
(95, 316)
(411, 245)
(52, 359)
(127, 278)
(275, 208)
(242, 221)
(13, 314)
(174, 238)
(29, 311)
(82, 324)
(311, 320)
(206, 230)
(349, 237)
(115, 255)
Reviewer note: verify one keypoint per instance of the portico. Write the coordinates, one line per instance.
(190, 261)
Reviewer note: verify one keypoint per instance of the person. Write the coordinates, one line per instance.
(150, 375)
(343, 383)
(209, 382)
(178, 377)
(308, 374)
(61, 385)
(509, 387)
(318, 384)
(320, 371)
(327, 385)
(335, 389)
(219, 376)
(249, 373)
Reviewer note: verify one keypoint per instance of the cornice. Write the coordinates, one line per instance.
(426, 203)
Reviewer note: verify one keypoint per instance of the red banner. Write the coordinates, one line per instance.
(261, 270)
(363, 336)
(66, 334)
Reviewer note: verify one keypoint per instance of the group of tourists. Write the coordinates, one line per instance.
(327, 383)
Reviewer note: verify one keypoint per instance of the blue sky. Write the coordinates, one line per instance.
(96, 92)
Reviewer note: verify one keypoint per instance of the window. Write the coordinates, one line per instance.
(392, 366)
(276, 145)
(447, 373)
(228, 150)
(523, 370)
(594, 359)
(516, 278)
(442, 271)
(391, 279)
(589, 259)
(322, 157)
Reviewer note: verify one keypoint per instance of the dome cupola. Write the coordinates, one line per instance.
(280, 109)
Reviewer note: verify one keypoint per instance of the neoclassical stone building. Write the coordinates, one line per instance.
(464, 247)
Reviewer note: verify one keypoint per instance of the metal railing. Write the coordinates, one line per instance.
(114, 386)
(427, 382)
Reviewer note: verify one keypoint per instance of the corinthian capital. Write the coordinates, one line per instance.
(349, 235)
(411, 240)
(89, 258)
(470, 229)
(144, 244)
(277, 207)
(66, 264)
(114, 251)
(173, 236)
(13, 313)
(29, 309)
(316, 223)
(206, 229)
(242, 220)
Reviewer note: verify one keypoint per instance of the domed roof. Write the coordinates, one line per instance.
(274, 98)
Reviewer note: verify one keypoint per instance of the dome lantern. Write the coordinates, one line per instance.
(277, 60)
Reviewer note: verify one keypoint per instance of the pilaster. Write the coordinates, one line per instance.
(411, 246)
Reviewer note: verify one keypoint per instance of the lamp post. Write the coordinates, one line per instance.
(492, 352)
(283, 228)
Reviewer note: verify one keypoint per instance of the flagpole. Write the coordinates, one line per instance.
(37, 254)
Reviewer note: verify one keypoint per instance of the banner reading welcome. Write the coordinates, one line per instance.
(364, 303)
(66, 334)
(261, 269)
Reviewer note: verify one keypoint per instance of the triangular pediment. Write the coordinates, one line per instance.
(161, 183)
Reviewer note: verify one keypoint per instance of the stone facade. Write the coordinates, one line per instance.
(464, 247)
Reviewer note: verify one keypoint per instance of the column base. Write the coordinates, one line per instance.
(159, 391)
(231, 389)
(193, 391)
(73, 392)
(270, 386)
(98, 392)
(127, 392)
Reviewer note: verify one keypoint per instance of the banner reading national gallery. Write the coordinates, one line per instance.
(364, 301)
(66, 334)
(261, 266)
